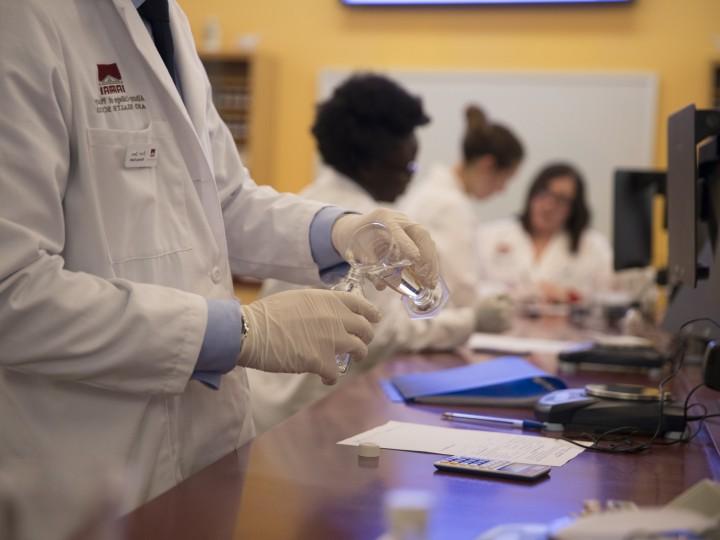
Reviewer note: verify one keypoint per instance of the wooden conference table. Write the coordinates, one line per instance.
(295, 482)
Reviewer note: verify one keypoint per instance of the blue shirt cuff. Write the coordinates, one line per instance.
(208, 378)
(331, 265)
(221, 344)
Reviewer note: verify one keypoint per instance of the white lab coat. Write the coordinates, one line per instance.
(440, 203)
(105, 269)
(507, 259)
(277, 396)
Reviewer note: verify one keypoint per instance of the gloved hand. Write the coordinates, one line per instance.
(493, 314)
(411, 240)
(302, 331)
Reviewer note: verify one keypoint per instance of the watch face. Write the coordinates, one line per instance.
(244, 324)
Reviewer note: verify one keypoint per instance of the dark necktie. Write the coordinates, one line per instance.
(157, 14)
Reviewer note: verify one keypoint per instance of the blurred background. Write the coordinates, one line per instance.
(618, 70)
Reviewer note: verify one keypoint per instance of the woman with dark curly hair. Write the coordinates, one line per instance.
(548, 252)
(365, 134)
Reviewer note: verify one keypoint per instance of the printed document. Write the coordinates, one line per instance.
(534, 450)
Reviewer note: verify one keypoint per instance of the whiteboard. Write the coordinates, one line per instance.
(596, 121)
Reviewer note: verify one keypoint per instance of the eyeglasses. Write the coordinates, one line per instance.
(557, 198)
(408, 168)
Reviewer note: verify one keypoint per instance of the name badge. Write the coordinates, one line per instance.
(141, 155)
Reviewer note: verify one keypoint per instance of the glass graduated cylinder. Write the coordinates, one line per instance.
(351, 284)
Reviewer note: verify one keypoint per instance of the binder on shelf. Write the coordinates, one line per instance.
(507, 381)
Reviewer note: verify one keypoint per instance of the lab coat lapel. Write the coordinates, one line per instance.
(554, 256)
(195, 146)
(192, 79)
(144, 43)
(196, 97)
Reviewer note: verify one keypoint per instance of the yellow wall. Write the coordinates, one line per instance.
(674, 38)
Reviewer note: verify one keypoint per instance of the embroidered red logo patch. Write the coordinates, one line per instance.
(110, 80)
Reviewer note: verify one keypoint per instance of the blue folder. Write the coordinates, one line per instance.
(508, 381)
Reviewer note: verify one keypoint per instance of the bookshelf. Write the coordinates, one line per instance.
(231, 77)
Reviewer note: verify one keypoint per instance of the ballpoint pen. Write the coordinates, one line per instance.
(509, 422)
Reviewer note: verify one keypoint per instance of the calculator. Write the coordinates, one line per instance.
(492, 467)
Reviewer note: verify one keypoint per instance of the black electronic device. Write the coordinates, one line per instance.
(576, 409)
(492, 467)
(693, 199)
(631, 358)
(687, 128)
(711, 365)
(633, 197)
(682, 195)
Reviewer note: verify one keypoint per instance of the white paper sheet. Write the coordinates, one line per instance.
(520, 345)
(534, 450)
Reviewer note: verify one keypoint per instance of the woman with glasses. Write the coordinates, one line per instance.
(443, 202)
(365, 134)
(548, 253)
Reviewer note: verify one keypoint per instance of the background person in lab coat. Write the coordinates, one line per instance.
(549, 251)
(491, 154)
(124, 211)
(365, 134)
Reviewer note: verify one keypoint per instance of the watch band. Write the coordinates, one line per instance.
(245, 327)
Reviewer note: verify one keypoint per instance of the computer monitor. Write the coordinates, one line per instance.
(634, 194)
(475, 2)
(693, 201)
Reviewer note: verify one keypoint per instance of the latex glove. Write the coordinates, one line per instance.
(302, 331)
(412, 241)
(493, 314)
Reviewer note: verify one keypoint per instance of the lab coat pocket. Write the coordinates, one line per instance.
(140, 180)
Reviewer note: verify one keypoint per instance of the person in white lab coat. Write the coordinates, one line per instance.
(547, 253)
(124, 208)
(365, 133)
(443, 201)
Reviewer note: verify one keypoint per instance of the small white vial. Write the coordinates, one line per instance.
(368, 450)
(407, 514)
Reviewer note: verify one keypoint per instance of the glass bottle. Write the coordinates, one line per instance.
(373, 255)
